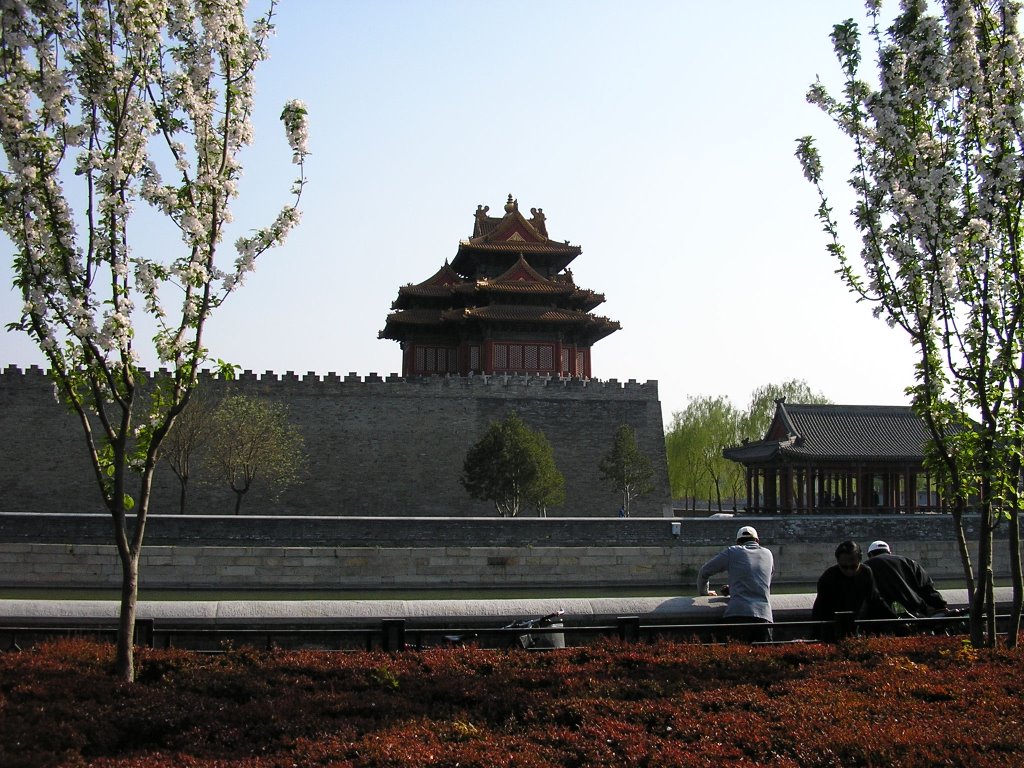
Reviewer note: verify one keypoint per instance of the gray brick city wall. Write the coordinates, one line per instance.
(376, 446)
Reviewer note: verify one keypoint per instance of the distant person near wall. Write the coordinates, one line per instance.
(750, 568)
(903, 584)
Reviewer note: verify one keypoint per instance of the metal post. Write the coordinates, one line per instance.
(629, 628)
(144, 631)
(845, 626)
(393, 634)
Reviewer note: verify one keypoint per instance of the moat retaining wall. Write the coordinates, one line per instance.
(64, 551)
(375, 446)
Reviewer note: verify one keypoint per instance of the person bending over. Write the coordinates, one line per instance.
(848, 586)
(903, 584)
(750, 569)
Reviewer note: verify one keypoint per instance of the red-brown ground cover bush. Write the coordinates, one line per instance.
(876, 702)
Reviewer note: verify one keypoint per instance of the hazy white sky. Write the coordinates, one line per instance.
(659, 136)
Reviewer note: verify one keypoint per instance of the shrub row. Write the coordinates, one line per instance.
(869, 702)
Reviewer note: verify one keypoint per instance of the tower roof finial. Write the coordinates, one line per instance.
(511, 205)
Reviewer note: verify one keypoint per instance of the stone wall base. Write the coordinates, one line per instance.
(93, 566)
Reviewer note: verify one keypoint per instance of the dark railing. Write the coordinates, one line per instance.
(399, 634)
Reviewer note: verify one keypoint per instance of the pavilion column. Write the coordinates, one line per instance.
(786, 478)
(750, 489)
(771, 503)
(801, 474)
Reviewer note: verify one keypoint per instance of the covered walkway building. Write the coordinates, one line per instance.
(828, 459)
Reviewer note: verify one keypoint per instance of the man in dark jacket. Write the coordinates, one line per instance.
(848, 586)
(903, 583)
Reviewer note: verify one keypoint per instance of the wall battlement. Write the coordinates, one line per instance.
(13, 376)
(377, 445)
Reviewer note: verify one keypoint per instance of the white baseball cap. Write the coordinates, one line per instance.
(746, 532)
(878, 546)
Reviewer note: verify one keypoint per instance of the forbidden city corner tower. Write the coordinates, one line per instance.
(506, 304)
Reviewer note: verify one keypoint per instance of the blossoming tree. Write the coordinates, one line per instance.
(938, 180)
(99, 99)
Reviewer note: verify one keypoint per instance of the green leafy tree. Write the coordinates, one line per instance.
(682, 444)
(548, 486)
(252, 439)
(938, 180)
(626, 468)
(694, 444)
(99, 98)
(186, 441)
(513, 466)
(758, 417)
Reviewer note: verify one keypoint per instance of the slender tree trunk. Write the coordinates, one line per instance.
(124, 665)
(980, 607)
(238, 501)
(181, 496)
(962, 546)
(990, 607)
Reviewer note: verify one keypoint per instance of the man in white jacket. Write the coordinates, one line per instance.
(750, 568)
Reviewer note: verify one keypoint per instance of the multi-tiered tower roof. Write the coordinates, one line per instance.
(506, 303)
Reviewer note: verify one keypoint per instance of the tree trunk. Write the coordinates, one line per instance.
(181, 497)
(990, 607)
(124, 665)
(980, 601)
(962, 546)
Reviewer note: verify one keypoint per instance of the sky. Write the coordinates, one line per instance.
(658, 136)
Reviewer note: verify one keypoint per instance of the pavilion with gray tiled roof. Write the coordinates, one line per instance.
(838, 458)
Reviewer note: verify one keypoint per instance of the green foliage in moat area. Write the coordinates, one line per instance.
(626, 468)
(694, 441)
(250, 440)
(514, 467)
(869, 702)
